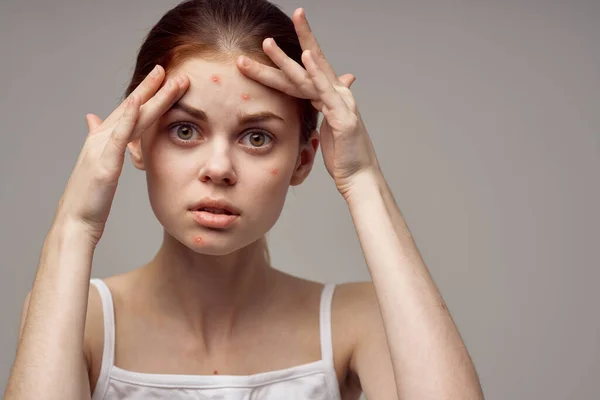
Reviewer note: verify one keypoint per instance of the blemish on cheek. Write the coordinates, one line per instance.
(215, 372)
(199, 240)
(274, 172)
(245, 97)
(215, 78)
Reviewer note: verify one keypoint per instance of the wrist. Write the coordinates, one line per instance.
(72, 230)
(364, 185)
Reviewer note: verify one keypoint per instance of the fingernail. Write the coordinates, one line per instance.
(154, 72)
(245, 62)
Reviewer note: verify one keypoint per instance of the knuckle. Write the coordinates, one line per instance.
(351, 104)
(285, 63)
(319, 53)
(350, 122)
(344, 91)
(260, 70)
(306, 86)
(115, 139)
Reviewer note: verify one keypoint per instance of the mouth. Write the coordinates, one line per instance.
(215, 206)
(217, 211)
(218, 219)
(214, 212)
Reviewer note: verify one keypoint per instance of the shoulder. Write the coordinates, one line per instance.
(357, 317)
(93, 341)
(94, 322)
(357, 303)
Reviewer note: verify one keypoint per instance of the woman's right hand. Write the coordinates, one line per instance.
(89, 193)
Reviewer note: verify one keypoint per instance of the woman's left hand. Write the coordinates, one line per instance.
(345, 143)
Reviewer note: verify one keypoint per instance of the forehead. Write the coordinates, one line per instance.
(229, 87)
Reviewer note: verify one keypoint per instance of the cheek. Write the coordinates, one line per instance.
(264, 192)
(273, 184)
(167, 170)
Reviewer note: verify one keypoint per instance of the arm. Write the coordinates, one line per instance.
(50, 361)
(428, 357)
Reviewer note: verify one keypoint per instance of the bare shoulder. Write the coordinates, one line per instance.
(357, 319)
(93, 340)
(356, 294)
(93, 330)
(356, 305)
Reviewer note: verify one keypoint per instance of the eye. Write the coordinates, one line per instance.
(182, 132)
(257, 139)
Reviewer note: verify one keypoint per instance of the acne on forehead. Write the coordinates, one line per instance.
(205, 75)
(216, 78)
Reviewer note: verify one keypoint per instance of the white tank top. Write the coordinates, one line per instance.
(316, 380)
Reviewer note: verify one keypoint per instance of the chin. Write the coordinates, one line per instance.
(214, 243)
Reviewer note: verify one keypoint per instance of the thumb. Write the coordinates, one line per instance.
(347, 80)
(93, 121)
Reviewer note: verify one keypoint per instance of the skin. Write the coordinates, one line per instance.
(394, 337)
(428, 357)
(216, 275)
(209, 296)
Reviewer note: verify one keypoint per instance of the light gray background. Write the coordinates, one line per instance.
(485, 119)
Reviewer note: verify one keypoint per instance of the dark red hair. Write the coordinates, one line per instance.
(221, 30)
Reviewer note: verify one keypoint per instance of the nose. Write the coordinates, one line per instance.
(218, 166)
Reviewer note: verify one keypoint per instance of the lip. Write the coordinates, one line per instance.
(215, 203)
(211, 220)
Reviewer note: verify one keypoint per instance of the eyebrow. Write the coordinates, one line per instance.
(242, 118)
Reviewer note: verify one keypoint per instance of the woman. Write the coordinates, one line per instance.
(221, 114)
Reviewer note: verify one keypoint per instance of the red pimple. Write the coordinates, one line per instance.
(245, 97)
(215, 372)
(199, 239)
(274, 171)
(215, 78)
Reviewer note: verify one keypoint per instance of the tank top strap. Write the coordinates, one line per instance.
(325, 323)
(108, 352)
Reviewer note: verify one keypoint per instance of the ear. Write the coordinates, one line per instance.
(306, 158)
(135, 152)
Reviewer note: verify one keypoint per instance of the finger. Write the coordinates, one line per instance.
(309, 42)
(145, 90)
(332, 100)
(273, 77)
(267, 75)
(160, 104)
(114, 151)
(93, 121)
(347, 80)
(293, 71)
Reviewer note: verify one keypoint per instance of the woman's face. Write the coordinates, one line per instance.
(222, 155)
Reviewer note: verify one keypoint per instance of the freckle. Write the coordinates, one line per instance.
(443, 305)
(274, 171)
(199, 239)
(245, 97)
(216, 78)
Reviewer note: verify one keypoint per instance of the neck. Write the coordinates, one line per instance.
(211, 295)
